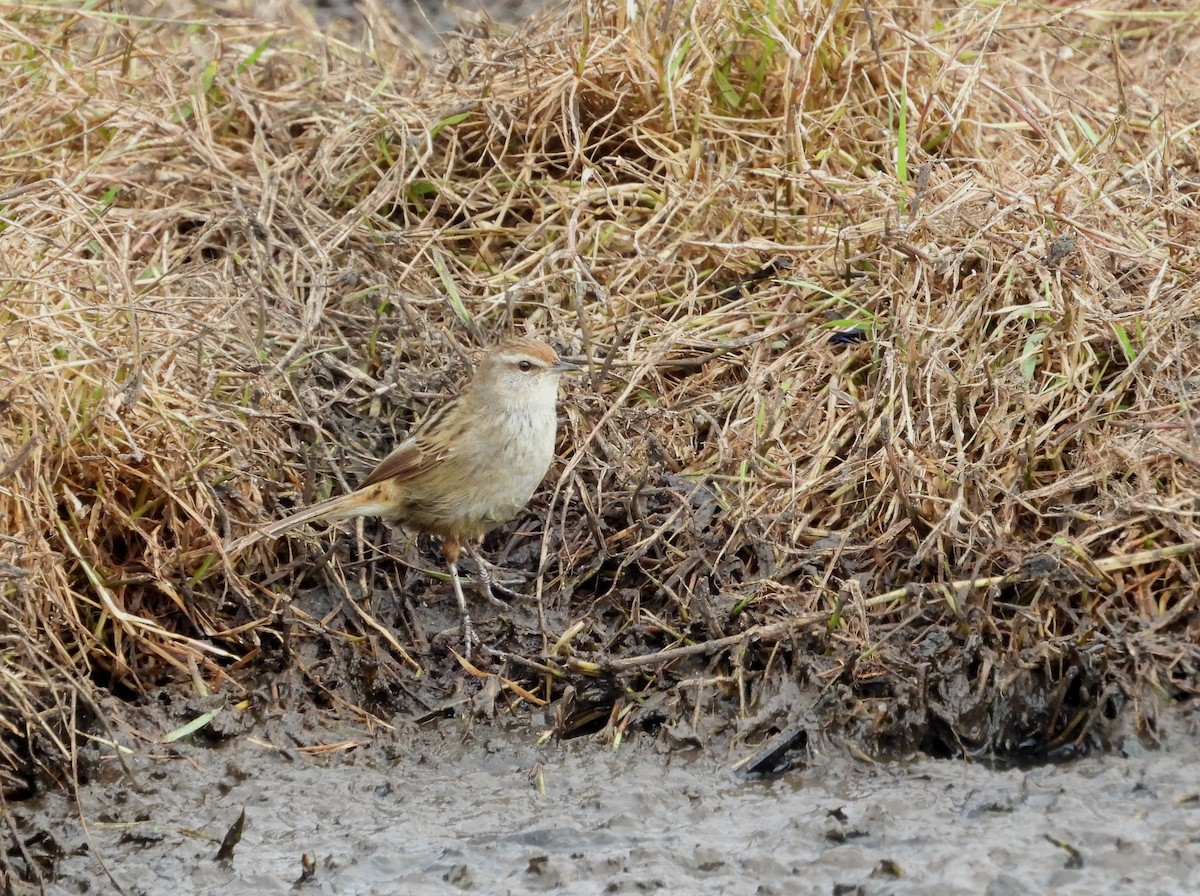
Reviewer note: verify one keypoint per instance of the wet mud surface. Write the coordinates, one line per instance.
(427, 19)
(451, 809)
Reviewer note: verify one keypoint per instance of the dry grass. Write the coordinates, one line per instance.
(239, 260)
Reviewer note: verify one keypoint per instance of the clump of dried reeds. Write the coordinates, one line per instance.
(240, 260)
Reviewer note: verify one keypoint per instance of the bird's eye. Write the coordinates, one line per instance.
(525, 366)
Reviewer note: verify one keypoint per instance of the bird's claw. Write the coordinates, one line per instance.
(489, 581)
(468, 633)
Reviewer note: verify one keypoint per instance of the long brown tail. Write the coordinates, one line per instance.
(367, 502)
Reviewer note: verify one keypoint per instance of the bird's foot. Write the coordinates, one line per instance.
(468, 630)
(469, 637)
(486, 587)
(489, 583)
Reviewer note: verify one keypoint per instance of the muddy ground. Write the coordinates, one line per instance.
(429, 18)
(449, 808)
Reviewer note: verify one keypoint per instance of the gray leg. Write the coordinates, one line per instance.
(468, 629)
(487, 578)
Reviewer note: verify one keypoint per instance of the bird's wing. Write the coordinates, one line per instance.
(412, 457)
(431, 443)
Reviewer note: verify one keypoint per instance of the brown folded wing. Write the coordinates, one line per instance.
(411, 458)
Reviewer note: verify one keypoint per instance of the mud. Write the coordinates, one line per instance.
(449, 808)
(427, 19)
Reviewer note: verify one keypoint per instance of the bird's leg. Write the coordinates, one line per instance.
(468, 629)
(487, 578)
(450, 552)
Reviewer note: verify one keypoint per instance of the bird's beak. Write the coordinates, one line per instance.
(565, 365)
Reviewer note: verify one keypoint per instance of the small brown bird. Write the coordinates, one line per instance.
(468, 467)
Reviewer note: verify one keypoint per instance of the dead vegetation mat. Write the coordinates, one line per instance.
(893, 339)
